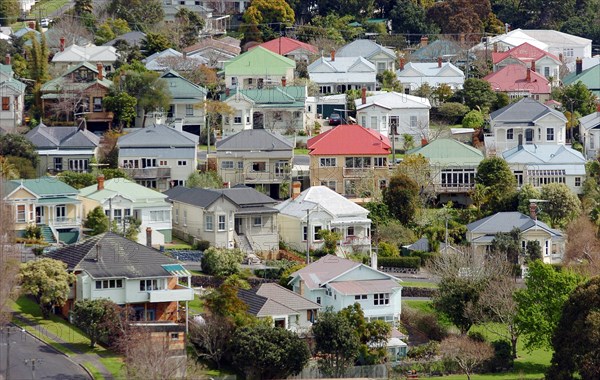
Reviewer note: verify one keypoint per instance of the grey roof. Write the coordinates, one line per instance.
(526, 110)
(243, 197)
(423, 245)
(111, 255)
(324, 270)
(255, 140)
(590, 121)
(273, 299)
(262, 306)
(157, 135)
(132, 38)
(44, 137)
(364, 48)
(505, 222)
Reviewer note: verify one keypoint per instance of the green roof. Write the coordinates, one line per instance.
(449, 152)
(181, 88)
(590, 77)
(58, 200)
(45, 187)
(258, 61)
(125, 188)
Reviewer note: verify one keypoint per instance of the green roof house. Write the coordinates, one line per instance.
(122, 199)
(590, 77)
(48, 203)
(453, 168)
(258, 68)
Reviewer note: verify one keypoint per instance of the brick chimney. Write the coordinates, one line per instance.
(424, 41)
(61, 45)
(495, 47)
(227, 91)
(31, 24)
(100, 68)
(402, 62)
(363, 95)
(149, 237)
(533, 66)
(598, 107)
(296, 189)
(578, 66)
(283, 81)
(332, 55)
(7, 59)
(100, 182)
(528, 78)
(560, 57)
(533, 211)
(439, 62)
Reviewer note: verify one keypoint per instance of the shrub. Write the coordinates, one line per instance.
(388, 250)
(33, 231)
(476, 336)
(425, 351)
(429, 325)
(201, 245)
(502, 360)
(400, 262)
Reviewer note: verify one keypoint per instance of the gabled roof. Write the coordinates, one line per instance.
(449, 152)
(87, 53)
(589, 77)
(43, 187)
(226, 44)
(44, 137)
(109, 255)
(429, 69)
(349, 139)
(394, 100)
(322, 198)
(289, 96)
(127, 189)
(159, 61)
(132, 38)
(556, 38)
(526, 110)
(505, 222)
(364, 48)
(513, 38)
(57, 84)
(7, 79)
(435, 49)
(158, 135)
(272, 299)
(342, 70)
(255, 140)
(181, 88)
(545, 154)
(514, 78)
(23, 31)
(590, 121)
(364, 286)
(243, 197)
(524, 52)
(285, 45)
(259, 61)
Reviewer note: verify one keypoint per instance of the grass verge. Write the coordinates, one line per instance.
(93, 370)
(418, 284)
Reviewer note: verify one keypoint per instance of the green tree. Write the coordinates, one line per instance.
(189, 25)
(205, 180)
(443, 92)
(336, 343)
(330, 241)
(576, 340)
(104, 34)
(540, 304)
(478, 93)
(8, 170)
(389, 81)
(563, 205)
(452, 111)
(9, 11)
(495, 174)
(373, 336)
(152, 92)
(456, 294)
(94, 317)
(96, 221)
(402, 197)
(526, 193)
(140, 14)
(474, 119)
(222, 262)
(508, 244)
(409, 17)
(154, 43)
(23, 165)
(16, 145)
(83, 6)
(577, 97)
(122, 105)
(77, 180)
(533, 250)
(47, 280)
(269, 12)
(276, 352)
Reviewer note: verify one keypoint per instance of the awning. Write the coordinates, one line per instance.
(350, 221)
(58, 200)
(176, 270)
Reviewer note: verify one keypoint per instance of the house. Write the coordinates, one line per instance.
(383, 58)
(338, 283)
(518, 81)
(350, 159)
(75, 55)
(258, 68)
(171, 59)
(542, 164)
(413, 75)
(79, 91)
(527, 55)
(507, 41)
(12, 97)
(568, 45)
(24, 30)
(453, 168)
(58, 38)
(236, 217)
(586, 63)
(385, 112)
(481, 233)
(285, 308)
(257, 158)
(589, 77)
(123, 199)
(213, 24)
(216, 51)
(525, 122)
(109, 266)
(589, 134)
(133, 38)
(449, 50)
(281, 108)
(186, 105)
(320, 208)
(48, 203)
(290, 48)
(63, 148)
(158, 156)
(338, 75)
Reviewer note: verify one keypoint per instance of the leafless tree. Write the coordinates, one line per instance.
(69, 101)
(583, 247)
(72, 30)
(466, 352)
(465, 262)
(9, 254)
(211, 337)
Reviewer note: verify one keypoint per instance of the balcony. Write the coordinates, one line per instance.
(148, 173)
(181, 293)
(453, 188)
(64, 222)
(357, 172)
(264, 177)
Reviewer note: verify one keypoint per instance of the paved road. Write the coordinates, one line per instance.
(46, 364)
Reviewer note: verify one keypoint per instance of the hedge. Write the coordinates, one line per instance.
(399, 262)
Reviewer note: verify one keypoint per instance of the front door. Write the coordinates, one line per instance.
(61, 213)
(529, 136)
(238, 226)
(39, 214)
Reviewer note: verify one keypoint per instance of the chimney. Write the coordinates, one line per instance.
(296, 189)
(100, 68)
(363, 95)
(100, 182)
(7, 59)
(578, 66)
(424, 41)
(439, 62)
(533, 66)
(528, 78)
(495, 47)
(560, 57)
(227, 92)
(598, 107)
(283, 81)
(332, 55)
(462, 38)
(149, 237)
(62, 44)
(533, 210)
(424, 141)
(301, 287)
(31, 24)
(227, 185)
(402, 62)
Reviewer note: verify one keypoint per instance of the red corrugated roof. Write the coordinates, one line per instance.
(524, 52)
(514, 78)
(349, 139)
(284, 45)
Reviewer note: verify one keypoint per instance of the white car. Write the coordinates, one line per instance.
(45, 22)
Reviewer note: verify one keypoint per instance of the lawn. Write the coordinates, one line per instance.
(418, 284)
(196, 306)
(46, 7)
(300, 151)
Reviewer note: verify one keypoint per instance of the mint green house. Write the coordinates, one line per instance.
(590, 77)
(258, 68)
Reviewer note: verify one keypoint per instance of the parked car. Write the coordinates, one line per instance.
(335, 119)
(45, 22)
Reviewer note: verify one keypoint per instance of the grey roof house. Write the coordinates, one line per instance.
(589, 132)
(12, 98)
(382, 57)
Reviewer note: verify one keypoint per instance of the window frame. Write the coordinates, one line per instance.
(221, 222)
(209, 223)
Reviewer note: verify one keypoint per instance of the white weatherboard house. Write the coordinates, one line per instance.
(338, 75)
(338, 283)
(415, 74)
(12, 98)
(589, 130)
(383, 58)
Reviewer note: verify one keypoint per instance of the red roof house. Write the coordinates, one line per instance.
(518, 81)
(347, 139)
(528, 55)
(289, 47)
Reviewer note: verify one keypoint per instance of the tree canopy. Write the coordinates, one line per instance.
(562, 206)
(96, 221)
(495, 175)
(402, 197)
(222, 262)
(95, 318)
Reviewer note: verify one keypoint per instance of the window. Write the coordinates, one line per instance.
(394, 121)
(380, 161)
(547, 247)
(358, 162)
(149, 285)
(185, 217)
(257, 221)
(380, 67)
(550, 134)
(374, 123)
(163, 163)
(21, 214)
(577, 181)
(413, 122)
(350, 231)
(240, 165)
(546, 71)
(592, 141)
(316, 235)
(97, 104)
(277, 116)
(509, 134)
(109, 284)
(182, 163)
(148, 162)
(227, 165)
(237, 120)
(329, 184)
(234, 81)
(58, 163)
(327, 161)
(176, 216)
(319, 300)
(78, 165)
(174, 336)
(5, 103)
(247, 119)
(208, 222)
(357, 297)
(259, 166)
(117, 214)
(221, 222)
(363, 120)
(381, 299)
(160, 216)
(568, 52)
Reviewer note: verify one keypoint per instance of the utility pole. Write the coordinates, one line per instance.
(307, 237)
